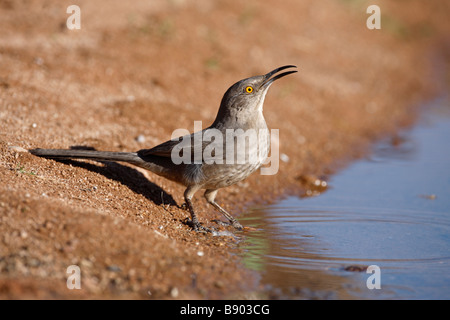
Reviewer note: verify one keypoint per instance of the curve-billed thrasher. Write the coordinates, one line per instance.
(240, 112)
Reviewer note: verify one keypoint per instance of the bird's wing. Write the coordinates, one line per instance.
(163, 150)
(189, 148)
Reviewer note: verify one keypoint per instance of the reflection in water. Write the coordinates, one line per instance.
(392, 210)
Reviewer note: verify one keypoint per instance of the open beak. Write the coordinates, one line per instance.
(267, 77)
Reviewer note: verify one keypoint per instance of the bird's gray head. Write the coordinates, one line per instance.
(247, 96)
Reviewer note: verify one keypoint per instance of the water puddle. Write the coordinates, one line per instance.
(391, 210)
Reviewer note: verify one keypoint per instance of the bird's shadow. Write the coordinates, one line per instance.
(126, 175)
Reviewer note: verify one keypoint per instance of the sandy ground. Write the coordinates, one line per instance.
(138, 70)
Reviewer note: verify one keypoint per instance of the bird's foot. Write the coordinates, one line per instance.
(196, 226)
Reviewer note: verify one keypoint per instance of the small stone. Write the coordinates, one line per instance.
(174, 293)
(140, 138)
(284, 157)
(39, 61)
(114, 268)
(355, 268)
(86, 263)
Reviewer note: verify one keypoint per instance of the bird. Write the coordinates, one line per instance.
(210, 159)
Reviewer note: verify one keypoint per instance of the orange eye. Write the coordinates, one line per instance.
(249, 89)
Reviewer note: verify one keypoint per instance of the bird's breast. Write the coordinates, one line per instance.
(241, 153)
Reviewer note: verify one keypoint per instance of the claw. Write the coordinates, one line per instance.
(198, 227)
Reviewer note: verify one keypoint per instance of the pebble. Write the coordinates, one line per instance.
(114, 268)
(284, 157)
(140, 138)
(39, 61)
(174, 292)
(355, 268)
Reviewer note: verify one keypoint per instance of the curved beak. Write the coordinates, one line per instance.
(267, 77)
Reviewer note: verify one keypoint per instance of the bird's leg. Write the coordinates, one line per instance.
(195, 224)
(210, 196)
